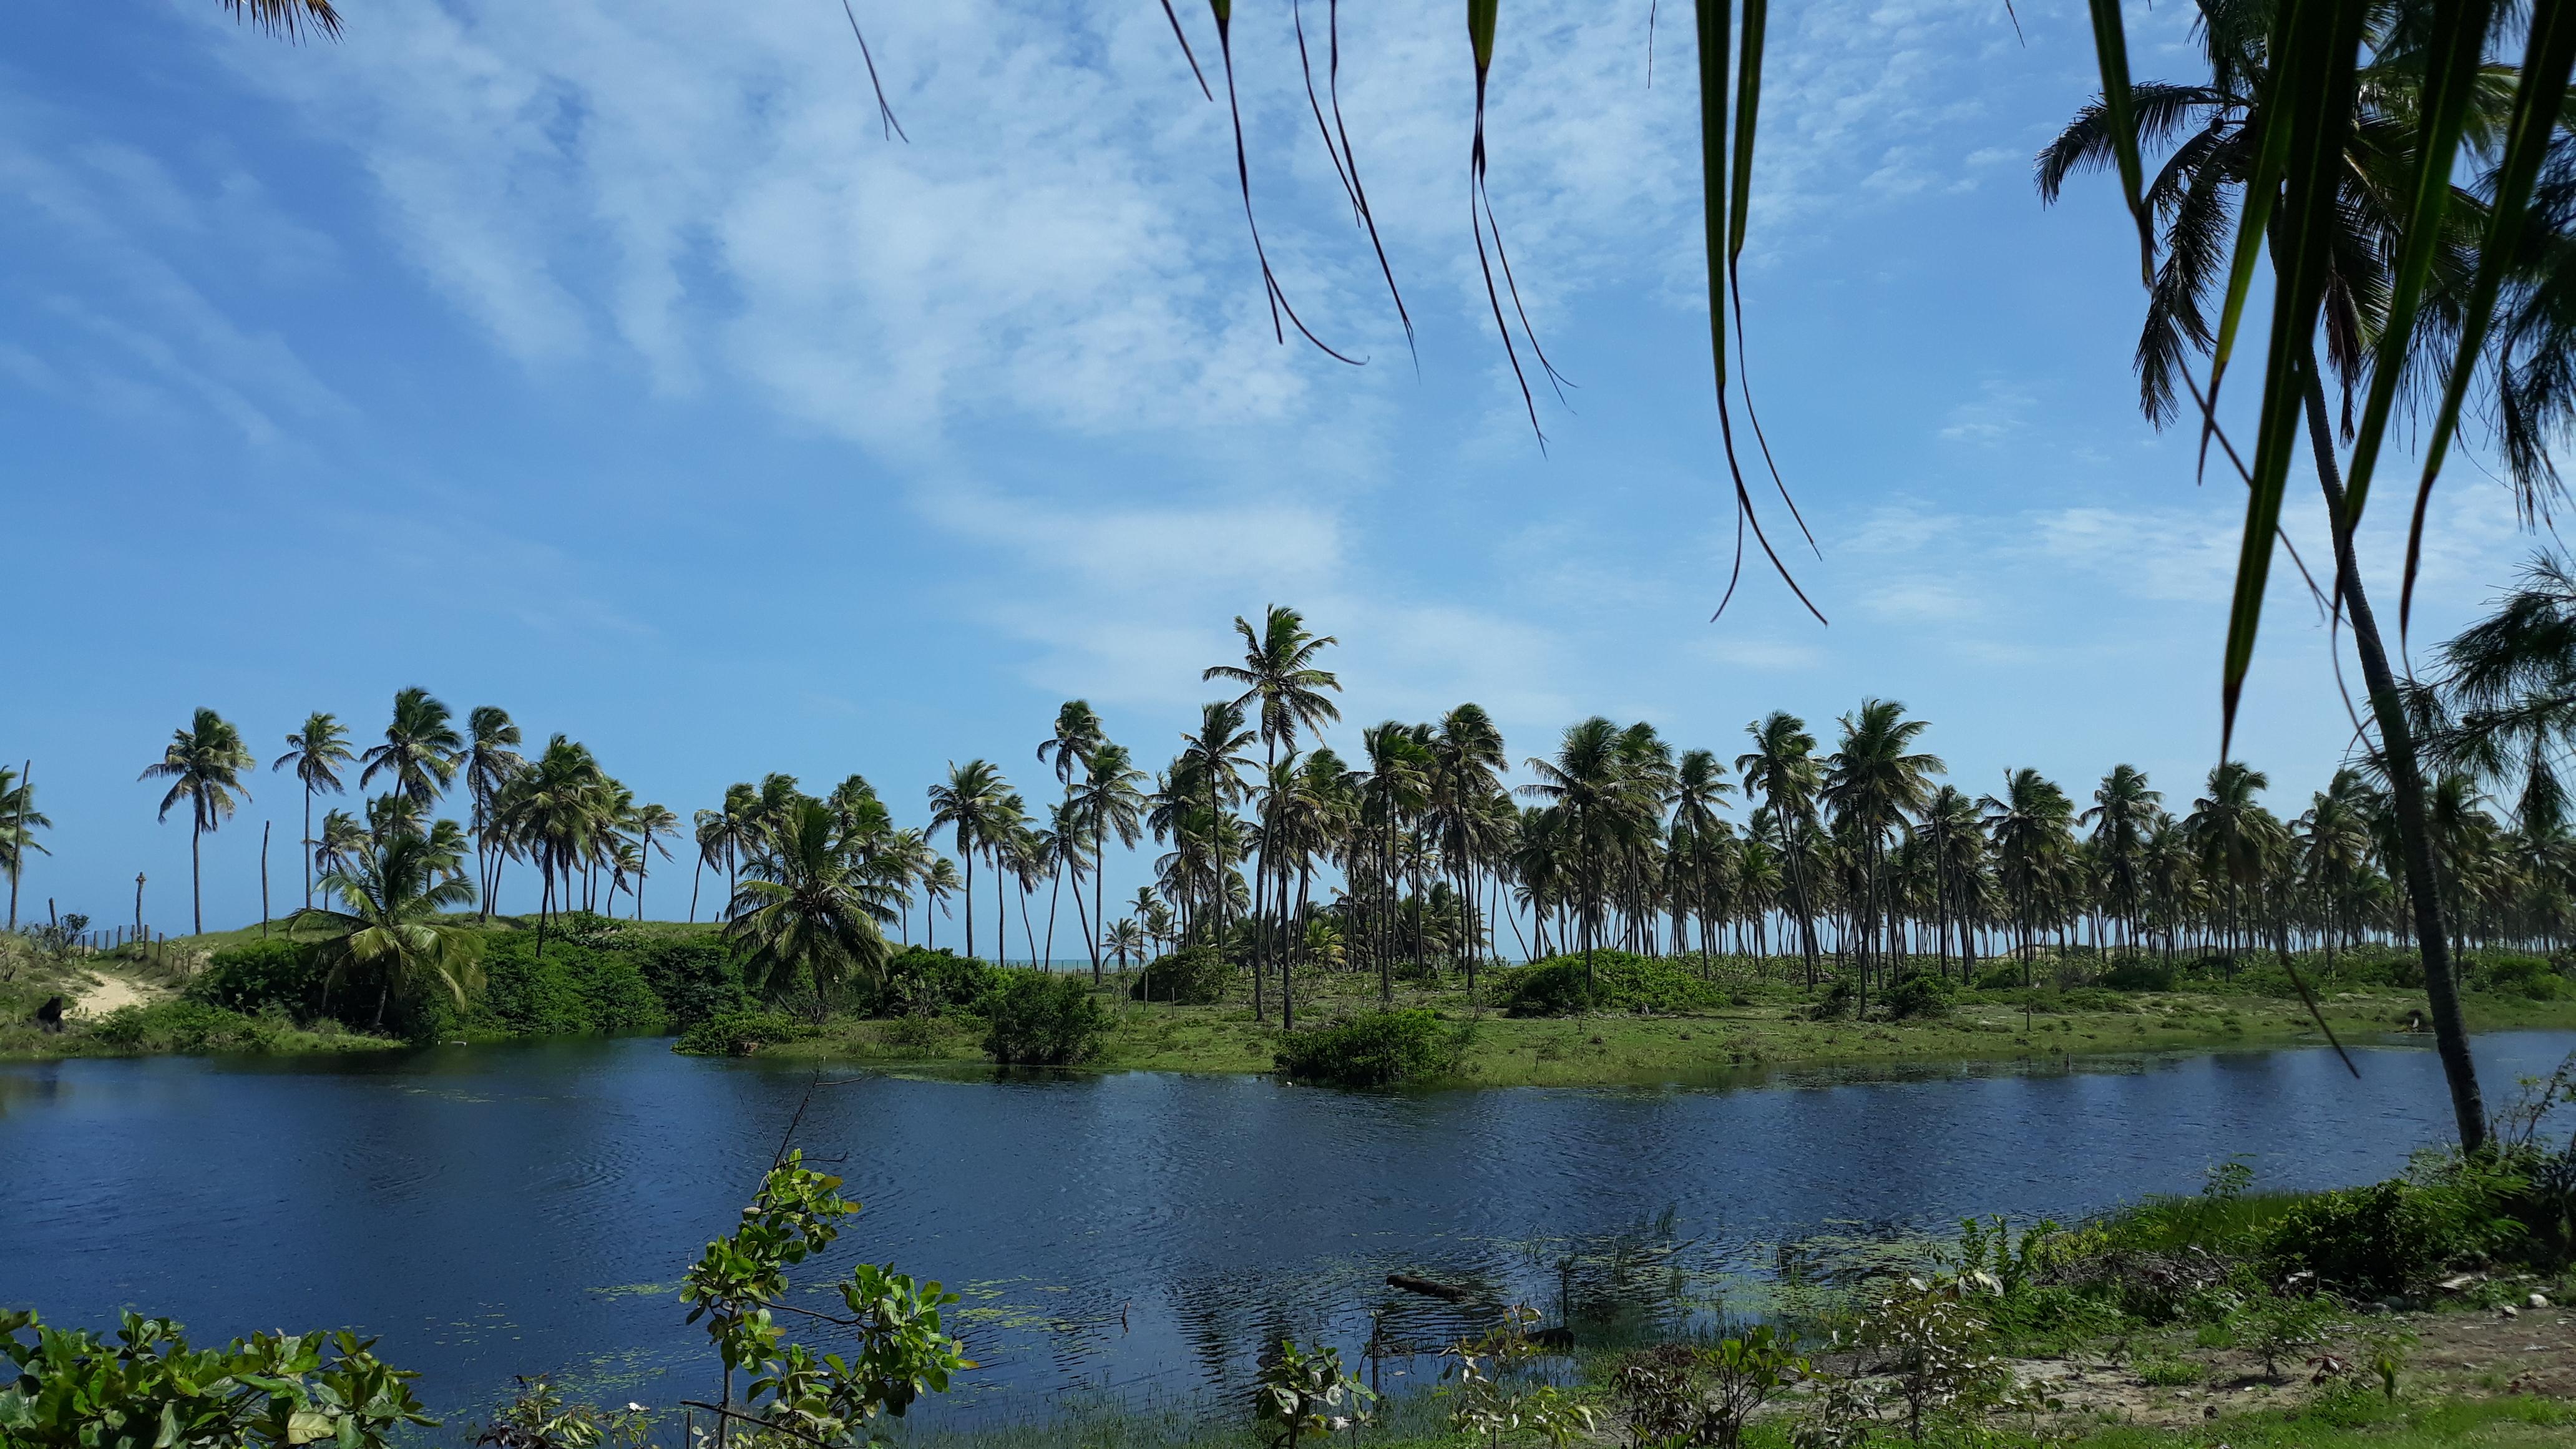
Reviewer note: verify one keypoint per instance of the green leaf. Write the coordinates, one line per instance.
(2111, 54)
(2549, 54)
(2450, 81)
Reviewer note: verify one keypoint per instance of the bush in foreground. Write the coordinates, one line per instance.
(1378, 1049)
(71, 1387)
(1041, 1019)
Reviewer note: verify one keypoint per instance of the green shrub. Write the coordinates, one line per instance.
(2000, 976)
(70, 1387)
(2379, 1239)
(740, 1033)
(920, 981)
(1043, 1019)
(1920, 994)
(1376, 1049)
(256, 975)
(2526, 976)
(2139, 973)
(1191, 976)
(574, 989)
(1618, 981)
(189, 1026)
(1839, 1001)
(696, 977)
(2093, 998)
(2171, 1372)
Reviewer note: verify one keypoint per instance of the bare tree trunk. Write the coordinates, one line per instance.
(2406, 793)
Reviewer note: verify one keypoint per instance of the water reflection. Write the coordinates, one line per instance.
(500, 1210)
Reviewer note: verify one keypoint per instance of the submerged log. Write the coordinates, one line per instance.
(1427, 1288)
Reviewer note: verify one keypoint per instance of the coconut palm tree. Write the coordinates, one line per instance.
(203, 765)
(2123, 810)
(316, 752)
(337, 847)
(2339, 276)
(394, 896)
(1468, 757)
(1278, 674)
(938, 883)
(1606, 810)
(1781, 768)
(557, 811)
(1207, 775)
(806, 911)
(1875, 783)
(1126, 938)
(2238, 839)
(19, 822)
(647, 822)
(422, 750)
(1107, 801)
(971, 802)
(491, 758)
(2032, 824)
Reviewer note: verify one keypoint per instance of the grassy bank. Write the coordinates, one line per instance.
(1630, 1020)
(1754, 1025)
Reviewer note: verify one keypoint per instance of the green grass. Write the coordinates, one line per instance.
(1750, 1021)
(1771, 1029)
(1417, 1420)
(2505, 1423)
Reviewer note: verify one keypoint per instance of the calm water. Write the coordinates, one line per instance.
(503, 1210)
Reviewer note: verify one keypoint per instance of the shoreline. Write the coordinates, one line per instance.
(1732, 1046)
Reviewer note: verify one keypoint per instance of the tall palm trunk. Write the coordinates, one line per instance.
(196, 872)
(2406, 792)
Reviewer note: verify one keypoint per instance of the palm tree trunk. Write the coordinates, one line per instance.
(196, 874)
(2406, 792)
(1099, 868)
(307, 851)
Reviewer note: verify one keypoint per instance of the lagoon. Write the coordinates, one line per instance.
(500, 1210)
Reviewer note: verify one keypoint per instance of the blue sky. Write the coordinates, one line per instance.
(604, 362)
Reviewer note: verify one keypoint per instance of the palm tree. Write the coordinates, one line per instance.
(342, 837)
(807, 910)
(1393, 793)
(394, 894)
(1077, 734)
(203, 765)
(2032, 823)
(491, 758)
(2123, 810)
(19, 822)
(316, 751)
(938, 883)
(1127, 939)
(1467, 755)
(556, 810)
(1699, 783)
(2238, 839)
(1109, 802)
(2368, 182)
(422, 750)
(1781, 768)
(1876, 784)
(970, 802)
(1593, 789)
(649, 821)
(1278, 674)
(1206, 773)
